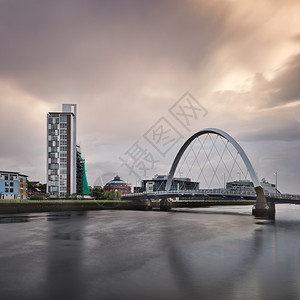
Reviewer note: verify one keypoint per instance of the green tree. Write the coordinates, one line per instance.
(98, 194)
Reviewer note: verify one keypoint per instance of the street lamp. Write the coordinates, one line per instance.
(276, 181)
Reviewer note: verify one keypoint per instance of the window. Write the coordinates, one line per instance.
(63, 119)
(6, 190)
(11, 177)
(63, 125)
(11, 190)
(63, 148)
(63, 137)
(53, 177)
(53, 154)
(63, 154)
(63, 131)
(53, 166)
(63, 159)
(6, 183)
(11, 184)
(6, 177)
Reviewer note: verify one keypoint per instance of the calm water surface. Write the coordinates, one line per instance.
(207, 253)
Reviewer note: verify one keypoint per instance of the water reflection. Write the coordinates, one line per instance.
(217, 253)
(14, 219)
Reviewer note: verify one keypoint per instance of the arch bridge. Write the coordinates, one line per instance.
(261, 207)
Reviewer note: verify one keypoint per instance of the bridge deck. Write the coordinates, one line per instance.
(194, 194)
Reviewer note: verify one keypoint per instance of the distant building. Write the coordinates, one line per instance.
(13, 185)
(61, 152)
(117, 184)
(246, 186)
(242, 186)
(158, 183)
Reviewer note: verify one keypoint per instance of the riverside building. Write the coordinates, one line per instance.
(13, 185)
(61, 152)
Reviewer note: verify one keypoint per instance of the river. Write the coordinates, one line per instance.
(205, 253)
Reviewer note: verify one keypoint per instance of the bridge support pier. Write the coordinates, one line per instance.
(165, 204)
(262, 208)
(140, 204)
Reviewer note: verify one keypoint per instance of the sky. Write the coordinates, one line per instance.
(128, 65)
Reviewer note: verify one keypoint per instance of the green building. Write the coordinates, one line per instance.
(82, 187)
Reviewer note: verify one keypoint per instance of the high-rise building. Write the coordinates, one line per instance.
(61, 152)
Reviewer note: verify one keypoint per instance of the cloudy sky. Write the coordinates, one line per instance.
(126, 63)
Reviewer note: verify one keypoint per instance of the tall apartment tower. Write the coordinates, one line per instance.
(61, 152)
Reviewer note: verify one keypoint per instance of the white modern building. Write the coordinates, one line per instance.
(246, 186)
(61, 152)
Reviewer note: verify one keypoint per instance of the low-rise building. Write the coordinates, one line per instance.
(158, 183)
(247, 187)
(13, 185)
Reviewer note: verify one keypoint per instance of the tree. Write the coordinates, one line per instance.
(98, 194)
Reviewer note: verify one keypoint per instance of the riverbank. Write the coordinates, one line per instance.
(28, 206)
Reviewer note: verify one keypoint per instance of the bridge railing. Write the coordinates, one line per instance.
(214, 191)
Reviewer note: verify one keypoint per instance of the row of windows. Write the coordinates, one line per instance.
(9, 184)
(53, 131)
(52, 172)
(7, 190)
(53, 119)
(53, 189)
(53, 177)
(53, 183)
(63, 119)
(53, 138)
(53, 126)
(53, 154)
(53, 166)
(9, 177)
(53, 143)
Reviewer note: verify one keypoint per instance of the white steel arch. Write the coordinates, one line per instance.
(223, 134)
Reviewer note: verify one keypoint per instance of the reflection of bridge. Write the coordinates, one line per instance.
(264, 205)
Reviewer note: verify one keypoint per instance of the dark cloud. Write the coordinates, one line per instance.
(287, 132)
(285, 85)
(54, 48)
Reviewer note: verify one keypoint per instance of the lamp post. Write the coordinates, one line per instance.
(239, 175)
(276, 181)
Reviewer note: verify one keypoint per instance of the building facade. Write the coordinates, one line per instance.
(158, 183)
(247, 187)
(61, 152)
(13, 185)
